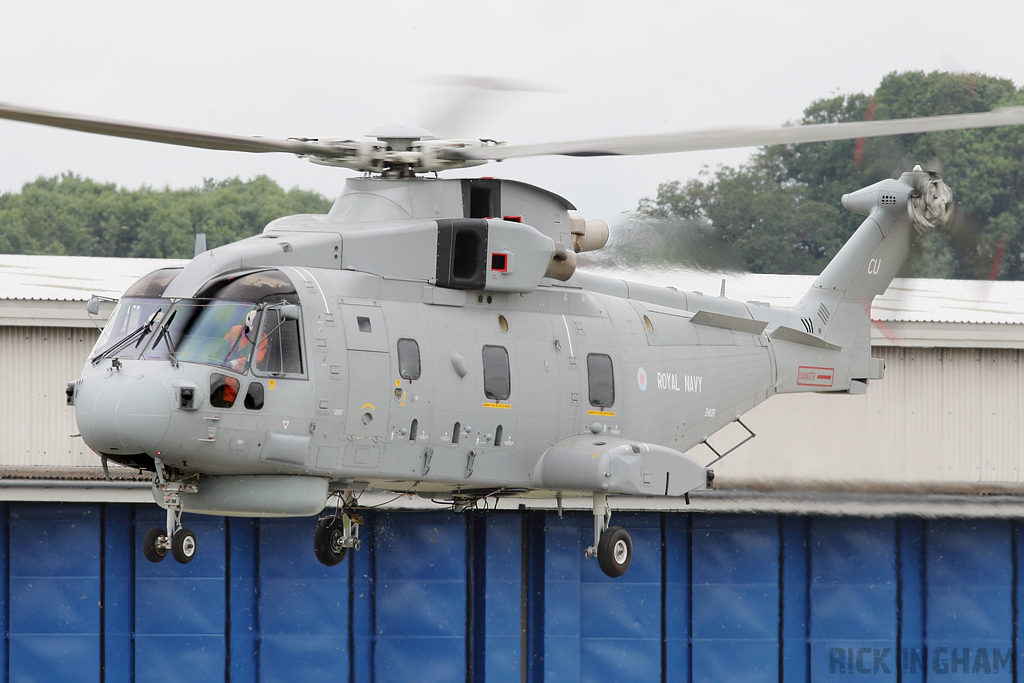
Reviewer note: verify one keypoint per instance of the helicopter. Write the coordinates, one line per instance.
(435, 337)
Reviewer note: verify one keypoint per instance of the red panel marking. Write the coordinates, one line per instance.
(499, 262)
(815, 377)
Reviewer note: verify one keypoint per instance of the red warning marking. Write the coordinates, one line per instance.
(815, 377)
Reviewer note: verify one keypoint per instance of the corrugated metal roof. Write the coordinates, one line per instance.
(959, 301)
(72, 278)
(907, 299)
(76, 278)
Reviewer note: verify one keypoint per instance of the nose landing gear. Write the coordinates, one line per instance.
(180, 541)
(612, 545)
(337, 533)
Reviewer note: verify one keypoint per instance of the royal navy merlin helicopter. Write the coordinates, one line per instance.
(434, 336)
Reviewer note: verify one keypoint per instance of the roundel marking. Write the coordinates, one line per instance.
(641, 379)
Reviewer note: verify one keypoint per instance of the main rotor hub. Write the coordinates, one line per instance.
(400, 150)
(399, 131)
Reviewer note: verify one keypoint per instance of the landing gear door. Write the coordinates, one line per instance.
(369, 381)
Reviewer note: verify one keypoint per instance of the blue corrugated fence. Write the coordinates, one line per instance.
(508, 596)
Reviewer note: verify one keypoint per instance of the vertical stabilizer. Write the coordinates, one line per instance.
(836, 310)
(839, 301)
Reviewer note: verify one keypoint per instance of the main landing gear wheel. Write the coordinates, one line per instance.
(329, 541)
(154, 545)
(612, 545)
(337, 533)
(183, 546)
(614, 551)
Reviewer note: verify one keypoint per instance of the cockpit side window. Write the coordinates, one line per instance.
(282, 350)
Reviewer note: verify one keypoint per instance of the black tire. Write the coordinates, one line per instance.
(327, 541)
(152, 551)
(183, 546)
(615, 551)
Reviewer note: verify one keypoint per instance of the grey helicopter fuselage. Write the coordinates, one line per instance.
(433, 336)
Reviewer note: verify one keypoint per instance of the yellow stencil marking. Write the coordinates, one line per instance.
(367, 405)
(605, 413)
(497, 405)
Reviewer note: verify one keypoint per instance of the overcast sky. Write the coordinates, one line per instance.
(338, 69)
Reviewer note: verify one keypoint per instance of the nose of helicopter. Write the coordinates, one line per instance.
(122, 414)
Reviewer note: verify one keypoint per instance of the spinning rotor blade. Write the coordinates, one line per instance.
(170, 136)
(369, 156)
(665, 143)
(459, 109)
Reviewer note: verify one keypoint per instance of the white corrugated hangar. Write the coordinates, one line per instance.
(849, 525)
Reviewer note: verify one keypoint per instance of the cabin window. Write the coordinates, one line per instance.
(254, 396)
(223, 390)
(601, 378)
(408, 359)
(497, 377)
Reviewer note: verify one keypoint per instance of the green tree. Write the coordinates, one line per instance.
(70, 215)
(780, 211)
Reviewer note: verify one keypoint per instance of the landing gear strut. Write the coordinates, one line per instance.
(180, 541)
(336, 533)
(612, 545)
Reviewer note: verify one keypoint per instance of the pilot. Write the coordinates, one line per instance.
(241, 344)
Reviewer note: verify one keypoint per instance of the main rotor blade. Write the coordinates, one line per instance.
(725, 138)
(171, 136)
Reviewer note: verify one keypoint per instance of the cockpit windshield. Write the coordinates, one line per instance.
(211, 332)
(130, 325)
(232, 335)
(249, 318)
(135, 317)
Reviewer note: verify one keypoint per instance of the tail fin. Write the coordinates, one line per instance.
(836, 309)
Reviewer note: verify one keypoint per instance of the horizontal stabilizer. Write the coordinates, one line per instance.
(729, 322)
(798, 337)
(590, 462)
